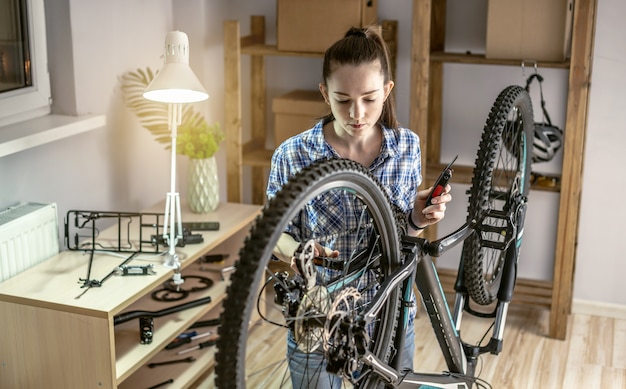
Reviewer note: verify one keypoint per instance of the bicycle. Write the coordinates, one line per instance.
(362, 342)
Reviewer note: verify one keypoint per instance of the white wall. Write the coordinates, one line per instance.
(109, 168)
(600, 265)
(120, 167)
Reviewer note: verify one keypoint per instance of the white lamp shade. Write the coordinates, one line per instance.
(176, 82)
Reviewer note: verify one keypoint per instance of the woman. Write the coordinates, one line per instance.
(363, 127)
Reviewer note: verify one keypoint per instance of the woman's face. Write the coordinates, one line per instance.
(356, 95)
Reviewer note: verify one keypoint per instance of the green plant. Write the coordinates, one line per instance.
(201, 141)
(196, 138)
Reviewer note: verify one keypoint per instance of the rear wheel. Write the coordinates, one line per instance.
(262, 306)
(499, 188)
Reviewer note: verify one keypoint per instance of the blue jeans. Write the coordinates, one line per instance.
(309, 370)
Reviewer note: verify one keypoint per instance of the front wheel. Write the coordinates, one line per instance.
(498, 193)
(266, 309)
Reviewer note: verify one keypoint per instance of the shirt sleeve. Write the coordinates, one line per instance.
(279, 173)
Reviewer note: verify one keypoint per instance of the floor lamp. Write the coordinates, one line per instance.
(175, 84)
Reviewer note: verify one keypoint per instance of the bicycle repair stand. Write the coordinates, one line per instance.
(82, 233)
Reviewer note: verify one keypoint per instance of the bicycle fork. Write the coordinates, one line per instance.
(505, 295)
(494, 346)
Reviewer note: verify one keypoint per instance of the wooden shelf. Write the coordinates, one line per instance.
(132, 355)
(256, 155)
(271, 50)
(43, 322)
(461, 174)
(464, 174)
(479, 59)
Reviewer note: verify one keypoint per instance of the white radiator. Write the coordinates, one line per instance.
(28, 235)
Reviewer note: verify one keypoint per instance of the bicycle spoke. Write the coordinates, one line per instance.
(288, 332)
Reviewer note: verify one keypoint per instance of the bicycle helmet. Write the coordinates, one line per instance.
(547, 139)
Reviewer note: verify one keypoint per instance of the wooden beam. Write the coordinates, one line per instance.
(257, 105)
(435, 93)
(232, 110)
(420, 68)
(572, 174)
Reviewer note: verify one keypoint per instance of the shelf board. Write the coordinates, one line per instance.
(464, 174)
(272, 50)
(255, 155)
(480, 59)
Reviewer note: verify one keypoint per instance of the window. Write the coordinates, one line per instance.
(24, 79)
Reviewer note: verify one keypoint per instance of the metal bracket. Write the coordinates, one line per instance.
(126, 270)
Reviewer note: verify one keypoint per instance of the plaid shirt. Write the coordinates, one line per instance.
(327, 218)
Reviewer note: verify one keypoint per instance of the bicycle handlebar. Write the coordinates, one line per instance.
(126, 316)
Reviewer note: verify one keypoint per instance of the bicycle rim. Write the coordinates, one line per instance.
(252, 345)
(501, 178)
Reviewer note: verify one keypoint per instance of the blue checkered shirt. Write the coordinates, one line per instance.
(327, 218)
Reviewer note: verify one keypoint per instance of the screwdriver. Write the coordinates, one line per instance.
(179, 342)
(199, 346)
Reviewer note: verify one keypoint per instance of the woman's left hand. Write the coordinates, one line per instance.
(425, 216)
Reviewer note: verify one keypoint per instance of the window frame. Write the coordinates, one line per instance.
(31, 101)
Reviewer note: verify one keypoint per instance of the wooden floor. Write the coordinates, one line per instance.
(592, 356)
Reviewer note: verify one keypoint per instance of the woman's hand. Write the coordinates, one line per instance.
(318, 251)
(423, 217)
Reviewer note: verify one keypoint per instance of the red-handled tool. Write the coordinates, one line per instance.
(440, 184)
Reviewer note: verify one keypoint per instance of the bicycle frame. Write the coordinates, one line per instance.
(362, 339)
(460, 357)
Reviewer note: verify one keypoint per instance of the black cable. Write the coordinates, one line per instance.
(258, 304)
(479, 343)
(480, 383)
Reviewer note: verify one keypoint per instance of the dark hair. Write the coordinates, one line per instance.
(361, 46)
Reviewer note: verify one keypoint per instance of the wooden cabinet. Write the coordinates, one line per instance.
(52, 339)
(254, 153)
(428, 56)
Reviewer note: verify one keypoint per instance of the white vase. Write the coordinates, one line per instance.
(203, 187)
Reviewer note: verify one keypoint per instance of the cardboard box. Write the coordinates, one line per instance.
(297, 111)
(533, 30)
(314, 25)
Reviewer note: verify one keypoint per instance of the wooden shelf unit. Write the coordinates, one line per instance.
(254, 152)
(428, 57)
(50, 338)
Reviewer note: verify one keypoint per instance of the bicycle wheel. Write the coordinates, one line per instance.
(499, 186)
(262, 306)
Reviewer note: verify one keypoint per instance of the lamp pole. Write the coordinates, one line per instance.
(173, 220)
